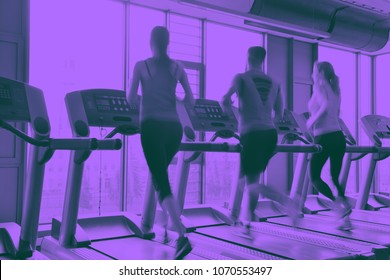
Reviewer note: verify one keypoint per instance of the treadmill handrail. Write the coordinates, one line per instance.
(361, 149)
(289, 148)
(109, 144)
(236, 148)
(224, 134)
(53, 143)
(209, 147)
(24, 136)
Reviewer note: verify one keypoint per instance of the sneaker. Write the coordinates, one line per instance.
(345, 224)
(293, 212)
(342, 208)
(183, 248)
(243, 231)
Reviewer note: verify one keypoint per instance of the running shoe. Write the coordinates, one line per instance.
(183, 248)
(243, 231)
(293, 211)
(345, 224)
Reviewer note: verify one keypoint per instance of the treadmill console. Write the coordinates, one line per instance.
(102, 108)
(295, 125)
(376, 127)
(13, 101)
(208, 116)
(347, 134)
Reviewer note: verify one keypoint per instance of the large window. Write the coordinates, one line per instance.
(381, 106)
(185, 46)
(365, 108)
(344, 64)
(71, 52)
(141, 23)
(225, 57)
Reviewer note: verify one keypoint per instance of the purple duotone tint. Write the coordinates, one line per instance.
(76, 47)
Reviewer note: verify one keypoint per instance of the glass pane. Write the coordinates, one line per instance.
(382, 103)
(365, 97)
(344, 64)
(186, 38)
(67, 53)
(142, 21)
(224, 59)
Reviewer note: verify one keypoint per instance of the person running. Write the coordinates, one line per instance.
(161, 130)
(259, 97)
(324, 107)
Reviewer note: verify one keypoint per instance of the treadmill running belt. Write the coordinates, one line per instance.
(367, 232)
(213, 249)
(134, 248)
(375, 217)
(281, 246)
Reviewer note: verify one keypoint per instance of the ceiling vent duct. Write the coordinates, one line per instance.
(333, 21)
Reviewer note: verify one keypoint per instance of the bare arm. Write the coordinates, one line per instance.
(132, 98)
(189, 97)
(227, 98)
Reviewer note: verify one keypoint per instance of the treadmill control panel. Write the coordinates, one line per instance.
(376, 127)
(294, 124)
(109, 108)
(107, 104)
(208, 116)
(13, 101)
(347, 134)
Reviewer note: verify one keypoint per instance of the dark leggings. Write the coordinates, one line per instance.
(333, 148)
(160, 141)
(257, 149)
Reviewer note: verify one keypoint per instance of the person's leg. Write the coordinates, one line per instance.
(268, 145)
(317, 162)
(170, 207)
(155, 155)
(336, 160)
(250, 198)
(267, 142)
(249, 158)
(172, 139)
(260, 147)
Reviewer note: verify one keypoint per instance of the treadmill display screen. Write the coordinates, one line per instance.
(5, 95)
(102, 102)
(112, 104)
(200, 110)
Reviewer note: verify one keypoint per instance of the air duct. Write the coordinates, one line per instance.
(332, 21)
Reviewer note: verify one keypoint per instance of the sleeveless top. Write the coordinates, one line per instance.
(159, 91)
(257, 97)
(329, 121)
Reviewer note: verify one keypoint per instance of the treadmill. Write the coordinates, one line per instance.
(368, 206)
(363, 199)
(115, 235)
(320, 222)
(20, 102)
(209, 222)
(377, 129)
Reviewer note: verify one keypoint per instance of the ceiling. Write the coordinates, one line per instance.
(380, 6)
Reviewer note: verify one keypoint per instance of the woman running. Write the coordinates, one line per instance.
(259, 97)
(161, 130)
(324, 107)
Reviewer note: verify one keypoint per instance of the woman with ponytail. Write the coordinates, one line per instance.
(161, 130)
(324, 107)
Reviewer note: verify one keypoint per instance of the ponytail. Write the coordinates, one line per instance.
(335, 84)
(330, 76)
